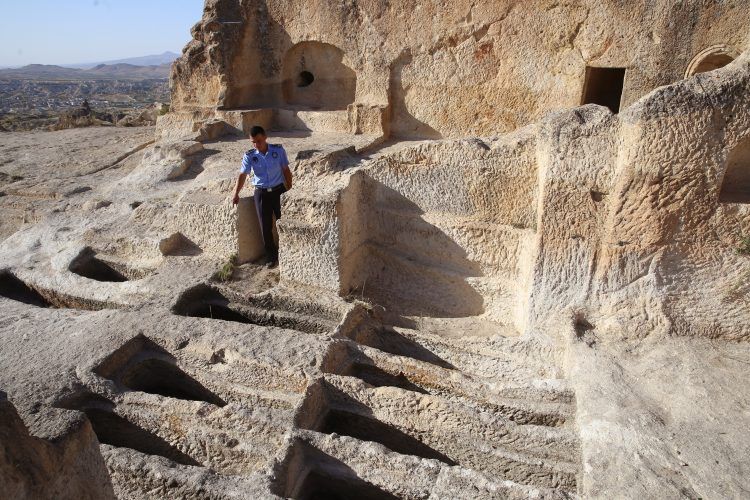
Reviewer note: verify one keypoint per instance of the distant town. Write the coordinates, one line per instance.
(36, 96)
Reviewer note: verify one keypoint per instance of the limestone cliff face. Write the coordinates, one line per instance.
(638, 229)
(603, 217)
(623, 222)
(435, 69)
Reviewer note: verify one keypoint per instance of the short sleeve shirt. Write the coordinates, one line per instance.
(265, 168)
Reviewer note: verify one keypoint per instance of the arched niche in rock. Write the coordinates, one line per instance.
(711, 58)
(735, 187)
(315, 77)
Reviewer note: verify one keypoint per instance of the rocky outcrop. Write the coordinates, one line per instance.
(143, 118)
(33, 468)
(83, 116)
(477, 68)
(87, 117)
(595, 219)
(552, 312)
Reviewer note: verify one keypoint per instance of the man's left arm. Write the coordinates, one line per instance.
(286, 170)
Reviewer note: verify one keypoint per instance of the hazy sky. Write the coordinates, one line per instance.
(82, 31)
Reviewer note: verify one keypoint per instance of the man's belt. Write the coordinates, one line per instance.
(270, 190)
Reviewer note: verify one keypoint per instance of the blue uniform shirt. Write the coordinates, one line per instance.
(266, 168)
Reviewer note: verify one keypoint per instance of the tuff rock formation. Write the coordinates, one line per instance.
(514, 263)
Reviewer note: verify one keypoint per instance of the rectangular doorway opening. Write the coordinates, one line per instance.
(604, 86)
(735, 188)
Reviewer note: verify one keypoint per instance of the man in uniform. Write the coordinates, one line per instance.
(270, 169)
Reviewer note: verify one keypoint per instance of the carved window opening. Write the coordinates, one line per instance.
(714, 57)
(604, 86)
(735, 187)
(324, 64)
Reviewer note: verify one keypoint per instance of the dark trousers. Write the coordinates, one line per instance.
(268, 204)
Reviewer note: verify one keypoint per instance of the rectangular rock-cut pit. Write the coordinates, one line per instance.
(369, 428)
(89, 264)
(531, 455)
(377, 377)
(204, 301)
(388, 340)
(114, 430)
(157, 376)
(344, 358)
(15, 289)
(312, 474)
(142, 365)
(328, 410)
(524, 407)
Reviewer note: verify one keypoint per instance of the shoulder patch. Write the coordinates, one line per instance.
(278, 149)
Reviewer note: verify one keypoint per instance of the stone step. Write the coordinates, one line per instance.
(321, 463)
(526, 404)
(432, 427)
(135, 475)
(500, 367)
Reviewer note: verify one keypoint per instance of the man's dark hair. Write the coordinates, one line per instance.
(257, 130)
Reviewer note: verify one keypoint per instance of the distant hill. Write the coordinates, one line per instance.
(130, 71)
(152, 60)
(41, 71)
(120, 71)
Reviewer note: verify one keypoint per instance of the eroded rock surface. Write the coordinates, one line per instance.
(552, 311)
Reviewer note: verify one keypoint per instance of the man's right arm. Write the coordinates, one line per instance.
(244, 170)
(238, 188)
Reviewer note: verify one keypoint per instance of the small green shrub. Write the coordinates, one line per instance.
(744, 246)
(226, 271)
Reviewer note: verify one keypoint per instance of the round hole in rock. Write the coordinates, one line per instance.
(305, 79)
